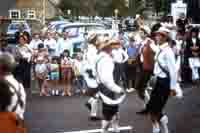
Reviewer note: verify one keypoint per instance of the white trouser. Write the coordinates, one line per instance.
(94, 106)
(178, 66)
(146, 97)
(104, 126)
(115, 123)
(163, 124)
(194, 63)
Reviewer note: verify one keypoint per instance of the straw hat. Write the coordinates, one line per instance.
(163, 31)
(146, 29)
(92, 38)
(109, 43)
(8, 61)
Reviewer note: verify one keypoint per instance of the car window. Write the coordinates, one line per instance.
(14, 26)
(82, 29)
(73, 31)
(17, 26)
(94, 27)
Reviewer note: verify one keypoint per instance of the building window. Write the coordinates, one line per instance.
(31, 14)
(14, 14)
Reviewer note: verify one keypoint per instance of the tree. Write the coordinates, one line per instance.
(101, 7)
(161, 6)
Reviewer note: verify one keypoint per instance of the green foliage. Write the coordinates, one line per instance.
(161, 6)
(101, 7)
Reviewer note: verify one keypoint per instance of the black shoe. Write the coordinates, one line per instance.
(88, 106)
(94, 118)
(142, 112)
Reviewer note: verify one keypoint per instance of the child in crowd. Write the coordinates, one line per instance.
(79, 80)
(179, 49)
(66, 71)
(54, 75)
(41, 68)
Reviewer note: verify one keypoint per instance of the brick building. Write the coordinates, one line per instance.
(29, 9)
(36, 7)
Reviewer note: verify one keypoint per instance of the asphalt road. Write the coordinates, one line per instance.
(65, 114)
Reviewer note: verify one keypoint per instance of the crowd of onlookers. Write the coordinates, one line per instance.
(51, 59)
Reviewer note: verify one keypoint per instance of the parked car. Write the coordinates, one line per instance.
(77, 32)
(55, 24)
(15, 27)
(82, 27)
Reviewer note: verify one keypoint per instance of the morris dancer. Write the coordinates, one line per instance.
(89, 76)
(166, 84)
(108, 89)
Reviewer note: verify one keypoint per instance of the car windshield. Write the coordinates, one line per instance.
(17, 26)
(95, 27)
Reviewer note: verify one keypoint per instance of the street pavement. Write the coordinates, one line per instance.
(65, 114)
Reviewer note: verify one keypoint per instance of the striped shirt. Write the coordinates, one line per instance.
(14, 101)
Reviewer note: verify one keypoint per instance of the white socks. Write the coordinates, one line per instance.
(163, 124)
(156, 128)
(90, 100)
(115, 123)
(146, 98)
(94, 107)
(104, 126)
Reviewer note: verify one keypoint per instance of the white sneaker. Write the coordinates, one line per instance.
(150, 88)
(156, 130)
(57, 92)
(53, 92)
(146, 97)
(130, 90)
(163, 123)
(164, 119)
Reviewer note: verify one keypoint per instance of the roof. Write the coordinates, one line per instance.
(82, 24)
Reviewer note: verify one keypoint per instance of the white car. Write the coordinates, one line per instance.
(109, 32)
(78, 30)
(15, 27)
(55, 24)
(82, 27)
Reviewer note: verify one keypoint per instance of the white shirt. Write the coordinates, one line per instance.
(178, 46)
(19, 87)
(78, 64)
(167, 60)
(51, 43)
(34, 43)
(23, 51)
(138, 39)
(119, 55)
(89, 63)
(194, 41)
(105, 68)
(65, 45)
(91, 54)
(41, 68)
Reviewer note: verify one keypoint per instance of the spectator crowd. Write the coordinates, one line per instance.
(166, 50)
